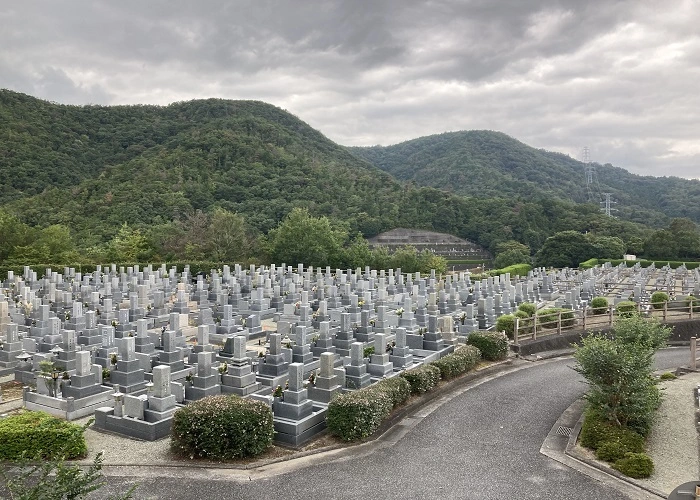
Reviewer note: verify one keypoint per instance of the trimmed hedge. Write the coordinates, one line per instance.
(358, 414)
(514, 270)
(462, 360)
(599, 305)
(506, 323)
(35, 434)
(493, 345)
(222, 427)
(423, 378)
(658, 299)
(636, 465)
(528, 308)
(626, 308)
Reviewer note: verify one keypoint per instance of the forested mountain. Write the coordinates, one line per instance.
(490, 164)
(195, 179)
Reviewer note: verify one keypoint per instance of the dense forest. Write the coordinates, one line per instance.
(490, 164)
(218, 179)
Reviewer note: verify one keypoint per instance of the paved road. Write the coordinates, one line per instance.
(483, 444)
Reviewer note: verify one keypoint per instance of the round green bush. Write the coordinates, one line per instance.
(626, 308)
(506, 324)
(222, 427)
(493, 345)
(528, 308)
(692, 301)
(358, 414)
(35, 434)
(658, 299)
(635, 465)
(599, 305)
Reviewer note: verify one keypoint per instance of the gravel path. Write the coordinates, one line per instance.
(673, 443)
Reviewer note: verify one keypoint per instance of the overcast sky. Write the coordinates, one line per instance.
(621, 77)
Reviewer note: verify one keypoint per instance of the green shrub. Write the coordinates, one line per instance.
(222, 427)
(636, 465)
(668, 376)
(423, 378)
(35, 434)
(506, 324)
(493, 345)
(658, 299)
(588, 264)
(610, 451)
(692, 301)
(358, 414)
(597, 431)
(397, 388)
(528, 308)
(599, 305)
(549, 318)
(514, 270)
(462, 360)
(626, 308)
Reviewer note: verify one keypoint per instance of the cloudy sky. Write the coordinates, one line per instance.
(621, 77)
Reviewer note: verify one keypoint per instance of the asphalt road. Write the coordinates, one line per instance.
(482, 444)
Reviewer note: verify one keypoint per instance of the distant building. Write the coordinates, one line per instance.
(445, 245)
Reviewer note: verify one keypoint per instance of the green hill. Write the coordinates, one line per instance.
(82, 172)
(490, 164)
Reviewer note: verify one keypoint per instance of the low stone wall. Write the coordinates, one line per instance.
(682, 331)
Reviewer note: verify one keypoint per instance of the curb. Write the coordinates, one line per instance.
(602, 466)
(388, 434)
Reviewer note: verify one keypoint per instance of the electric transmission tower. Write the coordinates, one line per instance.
(592, 188)
(607, 203)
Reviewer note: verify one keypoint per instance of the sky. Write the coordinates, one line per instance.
(620, 77)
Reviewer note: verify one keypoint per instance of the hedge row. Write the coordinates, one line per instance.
(358, 414)
(514, 270)
(222, 427)
(460, 361)
(492, 345)
(35, 434)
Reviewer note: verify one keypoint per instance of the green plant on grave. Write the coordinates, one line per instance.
(223, 368)
(49, 374)
(278, 392)
(113, 359)
(599, 305)
(106, 373)
(659, 299)
(368, 351)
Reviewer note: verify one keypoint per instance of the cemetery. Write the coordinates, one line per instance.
(132, 346)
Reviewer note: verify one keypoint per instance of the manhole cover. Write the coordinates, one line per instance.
(564, 431)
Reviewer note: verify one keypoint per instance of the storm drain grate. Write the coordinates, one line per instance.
(564, 431)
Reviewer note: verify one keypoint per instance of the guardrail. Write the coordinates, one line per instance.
(555, 323)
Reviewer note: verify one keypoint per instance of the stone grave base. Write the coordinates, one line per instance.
(131, 427)
(68, 409)
(296, 432)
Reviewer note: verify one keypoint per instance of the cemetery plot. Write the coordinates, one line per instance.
(132, 345)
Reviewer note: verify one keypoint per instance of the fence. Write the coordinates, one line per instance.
(556, 322)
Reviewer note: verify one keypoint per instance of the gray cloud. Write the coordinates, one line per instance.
(617, 76)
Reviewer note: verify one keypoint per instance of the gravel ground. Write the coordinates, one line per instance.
(673, 443)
